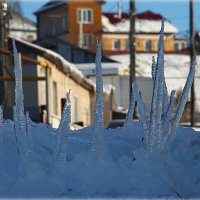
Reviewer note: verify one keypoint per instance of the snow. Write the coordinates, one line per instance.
(88, 69)
(126, 171)
(176, 70)
(60, 62)
(99, 162)
(141, 26)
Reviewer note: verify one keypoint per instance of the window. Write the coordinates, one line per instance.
(87, 40)
(182, 45)
(127, 45)
(85, 15)
(147, 45)
(176, 46)
(156, 45)
(116, 45)
(55, 98)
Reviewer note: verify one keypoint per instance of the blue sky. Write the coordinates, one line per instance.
(177, 11)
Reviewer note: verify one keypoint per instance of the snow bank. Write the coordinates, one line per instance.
(125, 171)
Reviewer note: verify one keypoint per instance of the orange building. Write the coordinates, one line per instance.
(116, 30)
(77, 22)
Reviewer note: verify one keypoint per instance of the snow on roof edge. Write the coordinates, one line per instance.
(67, 67)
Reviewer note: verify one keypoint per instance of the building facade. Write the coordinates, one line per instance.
(77, 22)
(116, 30)
(21, 27)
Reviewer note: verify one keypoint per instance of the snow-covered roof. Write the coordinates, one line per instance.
(62, 64)
(146, 22)
(88, 69)
(176, 69)
(21, 27)
(176, 65)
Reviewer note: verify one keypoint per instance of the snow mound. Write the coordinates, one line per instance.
(123, 170)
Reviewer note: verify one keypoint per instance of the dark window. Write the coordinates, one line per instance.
(116, 45)
(127, 45)
(147, 45)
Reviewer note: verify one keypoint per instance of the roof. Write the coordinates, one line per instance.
(115, 68)
(66, 67)
(146, 22)
(114, 19)
(55, 41)
(148, 15)
(56, 3)
(50, 5)
(15, 14)
(176, 69)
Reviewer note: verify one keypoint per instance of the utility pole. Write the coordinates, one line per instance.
(132, 43)
(4, 26)
(192, 54)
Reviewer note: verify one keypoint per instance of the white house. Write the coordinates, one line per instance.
(176, 70)
(21, 27)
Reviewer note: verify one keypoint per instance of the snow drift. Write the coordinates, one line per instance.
(150, 158)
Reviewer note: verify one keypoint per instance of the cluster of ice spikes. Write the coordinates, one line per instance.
(160, 127)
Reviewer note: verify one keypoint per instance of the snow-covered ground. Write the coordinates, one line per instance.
(122, 170)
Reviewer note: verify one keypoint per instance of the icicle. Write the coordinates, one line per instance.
(165, 99)
(153, 72)
(142, 112)
(150, 141)
(19, 117)
(1, 136)
(160, 78)
(66, 115)
(16, 129)
(129, 117)
(98, 113)
(160, 71)
(166, 120)
(29, 134)
(60, 152)
(184, 96)
(19, 96)
(98, 146)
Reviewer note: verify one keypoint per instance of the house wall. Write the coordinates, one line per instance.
(78, 93)
(180, 44)
(53, 22)
(108, 40)
(62, 22)
(121, 83)
(94, 28)
(22, 28)
(122, 89)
